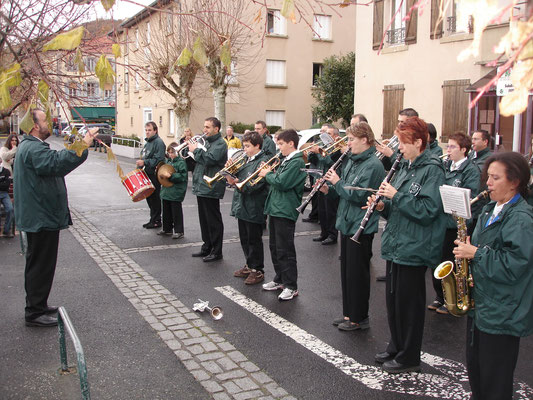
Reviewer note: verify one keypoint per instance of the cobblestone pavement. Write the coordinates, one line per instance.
(213, 361)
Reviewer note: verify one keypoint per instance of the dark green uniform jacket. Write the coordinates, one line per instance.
(179, 178)
(363, 170)
(41, 201)
(286, 188)
(481, 157)
(269, 147)
(415, 220)
(479, 162)
(466, 176)
(153, 153)
(324, 163)
(209, 163)
(249, 204)
(435, 149)
(502, 270)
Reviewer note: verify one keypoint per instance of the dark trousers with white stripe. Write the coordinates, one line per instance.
(282, 251)
(251, 236)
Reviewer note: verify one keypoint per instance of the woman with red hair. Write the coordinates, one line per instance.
(411, 242)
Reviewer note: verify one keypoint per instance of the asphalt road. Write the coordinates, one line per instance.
(292, 342)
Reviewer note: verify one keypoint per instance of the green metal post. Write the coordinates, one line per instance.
(62, 344)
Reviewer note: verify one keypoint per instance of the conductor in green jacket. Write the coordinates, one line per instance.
(500, 254)
(411, 242)
(284, 196)
(41, 206)
(210, 159)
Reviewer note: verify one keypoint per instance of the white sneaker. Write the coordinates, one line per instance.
(272, 286)
(288, 294)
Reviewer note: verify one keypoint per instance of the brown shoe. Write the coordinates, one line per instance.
(254, 277)
(243, 272)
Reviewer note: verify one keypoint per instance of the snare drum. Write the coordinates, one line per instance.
(138, 185)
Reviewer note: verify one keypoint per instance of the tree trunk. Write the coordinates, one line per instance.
(182, 122)
(219, 96)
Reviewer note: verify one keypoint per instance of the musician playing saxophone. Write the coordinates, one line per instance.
(411, 241)
(500, 254)
(248, 207)
(284, 196)
(460, 172)
(362, 168)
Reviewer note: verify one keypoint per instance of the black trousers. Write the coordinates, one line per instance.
(355, 276)
(282, 251)
(252, 244)
(211, 225)
(41, 258)
(172, 216)
(406, 306)
(327, 214)
(490, 361)
(447, 255)
(154, 201)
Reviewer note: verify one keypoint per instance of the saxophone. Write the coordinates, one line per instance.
(457, 285)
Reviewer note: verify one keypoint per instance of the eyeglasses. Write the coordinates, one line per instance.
(452, 146)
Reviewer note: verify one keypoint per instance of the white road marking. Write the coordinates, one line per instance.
(449, 386)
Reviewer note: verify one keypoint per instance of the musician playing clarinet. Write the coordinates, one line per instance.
(500, 254)
(362, 169)
(411, 241)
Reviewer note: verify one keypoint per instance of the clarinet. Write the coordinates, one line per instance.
(372, 206)
(319, 184)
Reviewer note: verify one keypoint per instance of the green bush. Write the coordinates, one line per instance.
(239, 127)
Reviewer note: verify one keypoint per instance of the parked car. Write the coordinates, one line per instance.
(105, 134)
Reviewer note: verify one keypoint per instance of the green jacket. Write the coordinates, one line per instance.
(324, 163)
(249, 204)
(479, 162)
(435, 149)
(41, 201)
(179, 178)
(269, 147)
(209, 163)
(153, 153)
(466, 176)
(286, 188)
(502, 270)
(363, 170)
(415, 220)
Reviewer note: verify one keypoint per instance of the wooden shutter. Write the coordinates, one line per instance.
(454, 107)
(411, 24)
(392, 104)
(436, 22)
(378, 24)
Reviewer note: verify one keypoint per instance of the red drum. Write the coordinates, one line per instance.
(138, 185)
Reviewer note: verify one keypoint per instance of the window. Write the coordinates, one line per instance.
(72, 92)
(317, 72)
(126, 82)
(90, 62)
(70, 65)
(108, 93)
(322, 27)
(392, 104)
(276, 118)
(147, 117)
(454, 107)
(276, 23)
(92, 89)
(457, 23)
(232, 78)
(401, 31)
(275, 72)
(148, 33)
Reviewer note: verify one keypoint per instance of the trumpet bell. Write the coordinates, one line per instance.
(163, 169)
(217, 313)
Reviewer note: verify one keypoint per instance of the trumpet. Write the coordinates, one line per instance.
(183, 149)
(238, 159)
(216, 311)
(325, 141)
(392, 143)
(337, 145)
(254, 179)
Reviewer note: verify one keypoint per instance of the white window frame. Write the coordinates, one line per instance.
(94, 87)
(148, 115)
(148, 32)
(275, 117)
(279, 23)
(171, 123)
(322, 27)
(232, 79)
(276, 72)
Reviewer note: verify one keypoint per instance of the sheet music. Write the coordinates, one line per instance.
(456, 200)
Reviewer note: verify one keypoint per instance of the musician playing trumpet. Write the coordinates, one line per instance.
(411, 241)
(501, 254)
(248, 207)
(362, 168)
(284, 196)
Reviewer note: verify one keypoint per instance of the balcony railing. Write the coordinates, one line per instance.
(396, 36)
(452, 25)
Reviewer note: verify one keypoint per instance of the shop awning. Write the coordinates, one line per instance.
(93, 114)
